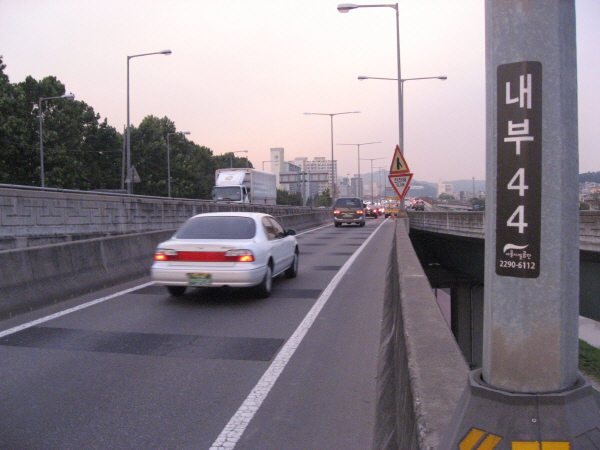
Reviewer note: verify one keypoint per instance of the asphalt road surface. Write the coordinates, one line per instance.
(134, 368)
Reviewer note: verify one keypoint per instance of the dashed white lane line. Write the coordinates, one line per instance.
(234, 430)
(70, 310)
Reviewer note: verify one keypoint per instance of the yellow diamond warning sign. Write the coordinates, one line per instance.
(399, 165)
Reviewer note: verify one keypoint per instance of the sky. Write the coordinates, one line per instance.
(242, 73)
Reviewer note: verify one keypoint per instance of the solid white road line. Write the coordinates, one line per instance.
(70, 310)
(233, 431)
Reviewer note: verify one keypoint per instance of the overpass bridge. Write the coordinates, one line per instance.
(422, 367)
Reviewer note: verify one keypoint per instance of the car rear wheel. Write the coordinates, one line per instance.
(176, 291)
(292, 271)
(264, 289)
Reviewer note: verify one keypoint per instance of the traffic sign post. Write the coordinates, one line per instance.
(400, 177)
(529, 393)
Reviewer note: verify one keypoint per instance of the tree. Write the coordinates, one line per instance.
(289, 198)
(324, 199)
(446, 197)
(79, 152)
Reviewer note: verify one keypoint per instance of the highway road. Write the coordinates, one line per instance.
(133, 368)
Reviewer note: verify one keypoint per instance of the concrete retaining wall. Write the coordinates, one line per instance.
(34, 216)
(37, 276)
(472, 224)
(422, 372)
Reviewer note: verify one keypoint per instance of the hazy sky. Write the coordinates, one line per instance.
(243, 72)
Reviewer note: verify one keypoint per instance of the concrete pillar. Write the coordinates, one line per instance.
(462, 319)
(529, 394)
(532, 234)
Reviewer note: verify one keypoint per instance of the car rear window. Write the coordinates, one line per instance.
(217, 228)
(348, 202)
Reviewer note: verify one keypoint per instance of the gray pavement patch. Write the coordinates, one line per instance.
(146, 344)
(296, 293)
(327, 267)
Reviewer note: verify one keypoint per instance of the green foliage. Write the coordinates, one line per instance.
(288, 198)
(589, 360)
(478, 204)
(446, 197)
(83, 152)
(324, 199)
(592, 177)
(583, 206)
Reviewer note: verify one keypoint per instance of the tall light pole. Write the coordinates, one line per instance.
(231, 157)
(358, 148)
(347, 7)
(401, 87)
(333, 193)
(381, 180)
(169, 161)
(269, 161)
(129, 174)
(372, 159)
(65, 96)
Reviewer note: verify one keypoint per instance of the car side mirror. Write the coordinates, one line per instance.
(291, 232)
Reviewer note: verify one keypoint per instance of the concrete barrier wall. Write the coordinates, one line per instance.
(421, 373)
(36, 216)
(37, 276)
(472, 224)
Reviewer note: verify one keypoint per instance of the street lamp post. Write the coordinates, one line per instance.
(332, 161)
(169, 161)
(401, 87)
(372, 159)
(65, 96)
(129, 174)
(358, 146)
(231, 157)
(346, 7)
(381, 180)
(269, 161)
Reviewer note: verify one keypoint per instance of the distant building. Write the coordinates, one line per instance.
(356, 187)
(445, 188)
(320, 163)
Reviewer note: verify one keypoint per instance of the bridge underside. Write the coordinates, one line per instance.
(456, 264)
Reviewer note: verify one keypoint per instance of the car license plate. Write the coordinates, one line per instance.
(348, 215)
(199, 279)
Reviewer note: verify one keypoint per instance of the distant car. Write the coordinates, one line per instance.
(372, 211)
(236, 249)
(419, 205)
(349, 210)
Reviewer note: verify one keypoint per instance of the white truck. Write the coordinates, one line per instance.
(242, 185)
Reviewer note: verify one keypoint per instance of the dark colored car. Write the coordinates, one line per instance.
(349, 210)
(419, 205)
(372, 211)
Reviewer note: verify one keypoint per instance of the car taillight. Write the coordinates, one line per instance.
(239, 256)
(228, 256)
(165, 255)
(360, 212)
(335, 211)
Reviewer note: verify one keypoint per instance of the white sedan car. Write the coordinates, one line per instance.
(236, 249)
